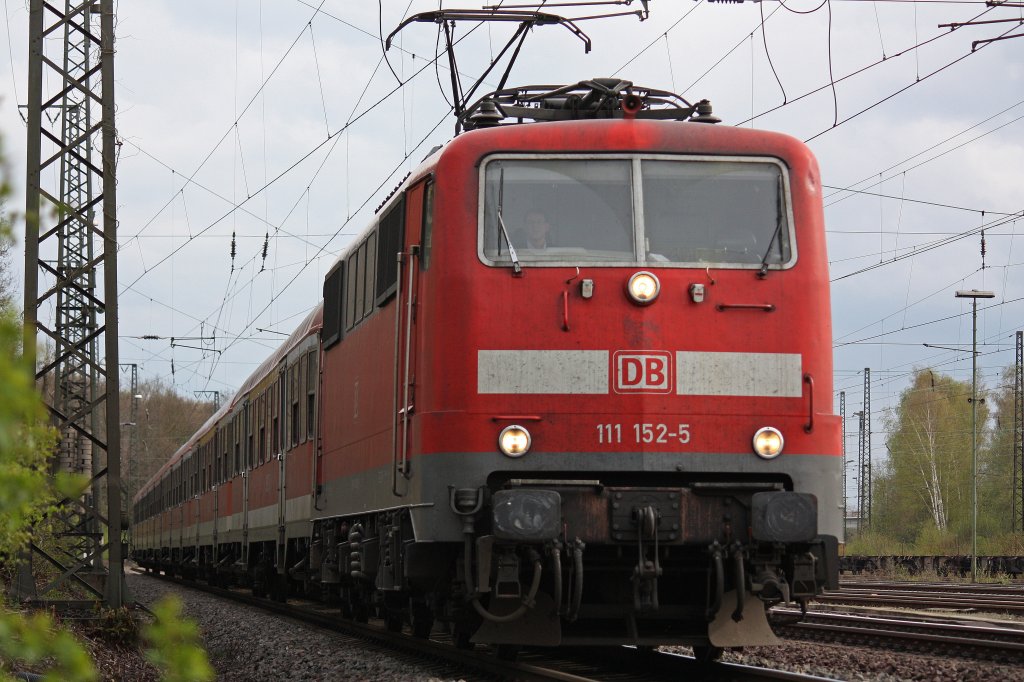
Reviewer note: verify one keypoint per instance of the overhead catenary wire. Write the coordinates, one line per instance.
(245, 109)
(353, 119)
(932, 147)
(10, 54)
(338, 232)
(834, 81)
(900, 91)
(283, 173)
(253, 194)
(923, 202)
(930, 246)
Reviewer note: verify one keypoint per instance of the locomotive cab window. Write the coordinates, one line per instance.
(558, 210)
(661, 211)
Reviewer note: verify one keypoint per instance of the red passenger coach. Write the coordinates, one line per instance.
(572, 386)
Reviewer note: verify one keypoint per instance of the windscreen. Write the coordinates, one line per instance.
(692, 212)
(714, 212)
(559, 210)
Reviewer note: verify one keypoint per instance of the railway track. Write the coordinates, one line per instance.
(944, 596)
(616, 664)
(918, 634)
(968, 588)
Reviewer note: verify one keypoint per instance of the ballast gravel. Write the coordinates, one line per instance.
(245, 643)
(858, 664)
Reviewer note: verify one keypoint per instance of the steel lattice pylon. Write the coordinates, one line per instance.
(1018, 438)
(71, 289)
(864, 458)
(842, 422)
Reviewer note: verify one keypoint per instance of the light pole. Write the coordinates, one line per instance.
(974, 295)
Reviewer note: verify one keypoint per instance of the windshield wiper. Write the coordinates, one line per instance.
(763, 272)
(516, 267)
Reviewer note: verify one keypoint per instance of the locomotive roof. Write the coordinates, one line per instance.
(309, 326)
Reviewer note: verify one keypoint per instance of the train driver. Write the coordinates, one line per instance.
(536, 235)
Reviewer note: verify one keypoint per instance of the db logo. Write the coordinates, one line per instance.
(643, 371)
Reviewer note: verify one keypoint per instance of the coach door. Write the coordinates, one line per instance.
(406, 336)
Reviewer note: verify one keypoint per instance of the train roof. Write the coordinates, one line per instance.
(309, 326)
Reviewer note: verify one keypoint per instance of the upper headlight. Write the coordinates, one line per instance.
(768, 442)
(643, 287)
(514, 441)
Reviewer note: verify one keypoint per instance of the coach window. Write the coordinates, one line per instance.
(282, 408)
(428, 225)
(390, 242)
(312, 374)
(215, 477)
(360, 292)
(236, 429)
(286, 408)
(369, 274)
(226, 459)
(293, 403)
(333, 299)
(275, 438)
(351, 274)
(261, 410)
(250, 450)
(300, 402)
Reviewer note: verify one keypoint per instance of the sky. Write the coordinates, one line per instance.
(272, 129)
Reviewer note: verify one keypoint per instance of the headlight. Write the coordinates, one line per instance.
(643, 287)
(768, 442)
(530, 515)
(514, 441)
(783, 516)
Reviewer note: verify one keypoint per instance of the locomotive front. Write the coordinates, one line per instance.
(630, 342)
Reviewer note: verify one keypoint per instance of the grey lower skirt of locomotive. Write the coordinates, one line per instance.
(546, 563)
(578, 562)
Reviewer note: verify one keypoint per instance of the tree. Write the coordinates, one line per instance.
(6, 272)
(996, 477)
(165, 420)
(925, 486)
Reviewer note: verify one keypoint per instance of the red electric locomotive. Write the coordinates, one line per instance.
(572, 386)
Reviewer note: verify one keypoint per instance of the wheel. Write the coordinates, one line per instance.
(508, 652)
(278, 588)
(707, 653)
(393, 622)
(462, 640)
(360, 613)
(422, 621)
